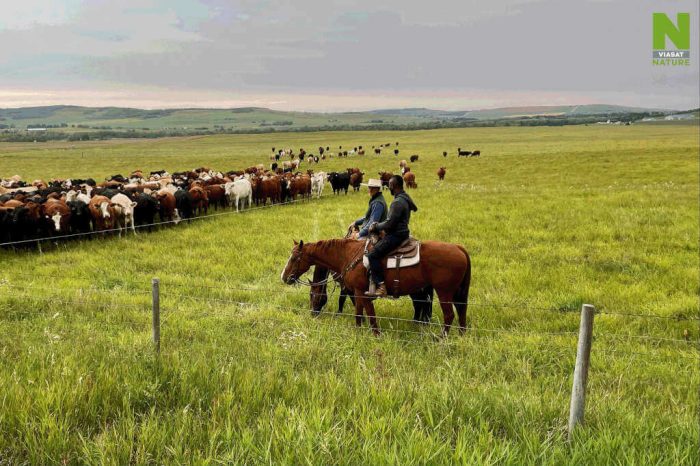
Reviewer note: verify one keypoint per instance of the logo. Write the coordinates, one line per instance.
(678, 34)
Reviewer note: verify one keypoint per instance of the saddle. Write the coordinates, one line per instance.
(406, 255)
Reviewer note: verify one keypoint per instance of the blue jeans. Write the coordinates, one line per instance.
(381, 249)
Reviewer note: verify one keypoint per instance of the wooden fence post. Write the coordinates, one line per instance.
(155, 288)
(583, 354)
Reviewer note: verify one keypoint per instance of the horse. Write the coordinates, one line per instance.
(422, 301)
(444, 266)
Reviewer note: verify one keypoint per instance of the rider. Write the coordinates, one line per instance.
(376, 212)
(396, 232)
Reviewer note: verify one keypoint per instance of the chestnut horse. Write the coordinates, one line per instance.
(444, 266)
(422, 301)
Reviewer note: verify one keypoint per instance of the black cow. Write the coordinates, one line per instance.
(396, 152)
(414, 158)
(183, 203)
(339, 181)
(80, 218)
(118, 178)
(146, 208)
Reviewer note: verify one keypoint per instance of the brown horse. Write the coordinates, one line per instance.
(444, 266)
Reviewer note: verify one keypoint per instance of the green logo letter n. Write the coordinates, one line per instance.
(679, 35)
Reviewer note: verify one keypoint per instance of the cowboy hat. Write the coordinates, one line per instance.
(372, 183)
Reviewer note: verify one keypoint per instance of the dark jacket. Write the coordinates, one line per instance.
(399, 216)
(376, 212)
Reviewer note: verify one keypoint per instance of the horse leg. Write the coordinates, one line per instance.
(369, 306)
(447, 312)
(358, 313)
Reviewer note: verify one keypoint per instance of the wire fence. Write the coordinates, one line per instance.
(131, 299)
(161, 223)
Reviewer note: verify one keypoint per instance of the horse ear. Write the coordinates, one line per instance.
(301, 243)
(295, 242)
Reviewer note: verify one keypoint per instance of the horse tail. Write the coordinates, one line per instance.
(461, 296)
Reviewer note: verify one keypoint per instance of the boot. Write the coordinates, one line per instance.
(372, 289)
(376, 291)
(381, 291)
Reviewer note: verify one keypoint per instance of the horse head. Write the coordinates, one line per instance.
(297, 264)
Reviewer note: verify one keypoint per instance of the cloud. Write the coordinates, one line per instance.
(545, 47)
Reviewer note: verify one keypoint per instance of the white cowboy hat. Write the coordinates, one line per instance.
(373, 183)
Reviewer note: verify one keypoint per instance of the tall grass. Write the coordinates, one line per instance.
(552, 217)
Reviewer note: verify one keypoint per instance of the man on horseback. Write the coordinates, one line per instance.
(376, 211)
(395, 229)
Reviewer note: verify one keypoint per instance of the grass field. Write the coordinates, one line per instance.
(552, 217)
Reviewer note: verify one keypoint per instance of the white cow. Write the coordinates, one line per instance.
(124, 208)
(318, 181)
(237, 191)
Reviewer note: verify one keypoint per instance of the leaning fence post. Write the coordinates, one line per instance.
(583, 354)
(155, 288)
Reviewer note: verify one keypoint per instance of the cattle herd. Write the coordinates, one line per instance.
(61, 207)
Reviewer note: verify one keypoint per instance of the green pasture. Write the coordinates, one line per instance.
(552, 218)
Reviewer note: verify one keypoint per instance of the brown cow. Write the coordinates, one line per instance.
(402, 163)
(384, 177)
(57, 216)
(217, 195)
(409, 179)
(102, 212)
(356, 180)
(200, 200)
(441, 173)
(270, 188)
(166, 208)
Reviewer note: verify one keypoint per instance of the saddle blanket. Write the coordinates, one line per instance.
(391, 260)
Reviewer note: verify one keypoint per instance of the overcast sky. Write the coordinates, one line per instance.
(339, 55)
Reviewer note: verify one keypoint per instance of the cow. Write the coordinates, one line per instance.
(402, 163)
(414, 158)
(237, 191)
(441, 173)
(476, 153)
(57, 216)
(339, 181)
(377, 151)
(200, 200)
(409, 179)
(124, 212)
(444, 153)
(384, 177)
(270, 187)
(102, 212)
(463, 153)
(396, 152)
(80, 219)
(167, 206)
(318, 180)
(356, 180)
(145, 209)
(184, 204)
(216, 195)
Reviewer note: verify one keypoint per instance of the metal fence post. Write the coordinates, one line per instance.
(155, 288)
(583, 353)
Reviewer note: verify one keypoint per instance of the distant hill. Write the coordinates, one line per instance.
(66, 121)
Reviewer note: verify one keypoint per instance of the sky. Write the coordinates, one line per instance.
(340, 55)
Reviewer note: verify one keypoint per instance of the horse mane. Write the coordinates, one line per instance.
(325, 246)
(329, 247)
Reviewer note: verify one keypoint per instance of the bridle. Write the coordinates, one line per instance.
(296, 259)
